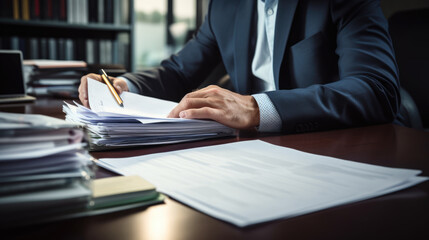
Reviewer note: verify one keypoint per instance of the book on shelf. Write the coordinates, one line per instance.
(72, 11)
(125, 12)
(16, 14)
(117, 12)
(62, 45)
(100, 10)
(35, 10)
(63, 10)
(52, 48)
(90, 53)
(69, 53)
(108, 11)
(25, 10)
(90, 50)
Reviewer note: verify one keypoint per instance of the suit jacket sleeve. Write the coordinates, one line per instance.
(182, 72)
(367, 90)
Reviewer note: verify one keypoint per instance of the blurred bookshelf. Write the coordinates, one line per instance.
(98, 32)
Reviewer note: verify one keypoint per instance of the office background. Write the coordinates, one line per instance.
(137, 34)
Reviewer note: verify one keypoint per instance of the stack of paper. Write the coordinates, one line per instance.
(142, 120)
(44, 169)
(253, 181)
(53, 77)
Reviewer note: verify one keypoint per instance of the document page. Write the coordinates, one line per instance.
(253, 181)
(101, 100)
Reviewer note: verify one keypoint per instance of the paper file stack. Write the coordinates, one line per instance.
(142, 121)
(54, 77)
(44, 169)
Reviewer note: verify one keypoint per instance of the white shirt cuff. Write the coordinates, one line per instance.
(270, 120)
(131, 86)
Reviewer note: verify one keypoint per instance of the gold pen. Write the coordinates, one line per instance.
(111, 88)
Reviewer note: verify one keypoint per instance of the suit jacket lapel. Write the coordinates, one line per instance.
(242, 58)
(285, 15)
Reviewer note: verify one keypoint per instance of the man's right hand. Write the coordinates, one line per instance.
(119, 84)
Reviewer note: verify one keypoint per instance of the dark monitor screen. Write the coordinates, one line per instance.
(11, 77)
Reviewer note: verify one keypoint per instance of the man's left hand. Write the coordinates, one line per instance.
(221, 105)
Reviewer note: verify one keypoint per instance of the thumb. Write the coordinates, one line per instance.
(118, 88)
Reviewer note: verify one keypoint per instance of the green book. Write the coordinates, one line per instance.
(121, 190)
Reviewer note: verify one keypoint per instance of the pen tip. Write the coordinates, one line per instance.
(122, 105)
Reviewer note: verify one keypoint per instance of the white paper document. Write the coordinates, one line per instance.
(102, 101)
(142, 120)
(250, 182)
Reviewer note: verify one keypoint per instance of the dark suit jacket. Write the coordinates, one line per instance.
(333, 61)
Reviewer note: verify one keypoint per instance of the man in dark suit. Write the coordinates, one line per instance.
(310, 65)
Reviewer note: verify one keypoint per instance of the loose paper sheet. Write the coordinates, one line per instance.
(253, 181)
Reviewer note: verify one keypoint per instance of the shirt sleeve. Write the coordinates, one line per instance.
(131, 86)
(270, 120)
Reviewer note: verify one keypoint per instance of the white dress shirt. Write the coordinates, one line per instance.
(262, 66)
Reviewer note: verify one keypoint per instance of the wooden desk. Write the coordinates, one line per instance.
(401, 215)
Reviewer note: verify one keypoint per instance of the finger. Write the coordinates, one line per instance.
(203, 113)
(94, 76)
(210, 87)
(118, 89)
(83, 87)
(83, 99)
(120, 85)
(85, 103)
(209, 91)
(188, 103)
